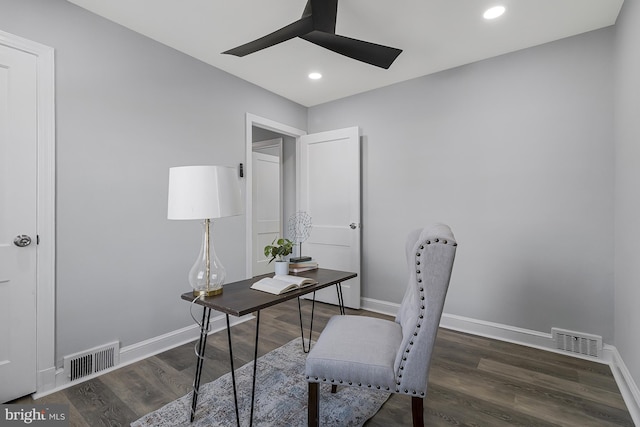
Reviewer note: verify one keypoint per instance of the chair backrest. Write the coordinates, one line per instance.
(430, 254)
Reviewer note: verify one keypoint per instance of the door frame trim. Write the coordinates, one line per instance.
(252, 120)
(45, 220)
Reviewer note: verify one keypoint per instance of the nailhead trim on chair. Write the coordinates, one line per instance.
(379, 387)
(420, 316)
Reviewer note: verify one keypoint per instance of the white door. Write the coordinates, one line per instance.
(18, 163)
(329, 191)
(267, 224)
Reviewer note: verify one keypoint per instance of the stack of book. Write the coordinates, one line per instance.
(298, 266)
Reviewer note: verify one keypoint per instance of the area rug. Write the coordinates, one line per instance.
(281, 398)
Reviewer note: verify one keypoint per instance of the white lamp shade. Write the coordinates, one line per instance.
(202, 192)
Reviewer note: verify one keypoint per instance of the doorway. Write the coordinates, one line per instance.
(321, 176)
(276, 145)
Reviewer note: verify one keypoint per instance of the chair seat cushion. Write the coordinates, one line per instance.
(356, 350)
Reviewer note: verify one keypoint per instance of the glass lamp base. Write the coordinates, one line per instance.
(207, 274)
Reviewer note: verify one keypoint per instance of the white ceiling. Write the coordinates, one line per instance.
(434, 34)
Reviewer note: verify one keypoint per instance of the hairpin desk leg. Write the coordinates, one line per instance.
(306, 349)
(255, 368)
(202, 344)
(233, 373)
(340, 298)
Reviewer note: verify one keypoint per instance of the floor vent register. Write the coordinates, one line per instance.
(89, 362)
(577, 342)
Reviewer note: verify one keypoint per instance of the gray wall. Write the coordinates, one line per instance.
(627, 248)
(515, 153)
(128, 109)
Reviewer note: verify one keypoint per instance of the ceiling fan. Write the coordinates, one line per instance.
(318, 25)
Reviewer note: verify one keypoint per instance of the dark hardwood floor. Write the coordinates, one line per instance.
(473, 381)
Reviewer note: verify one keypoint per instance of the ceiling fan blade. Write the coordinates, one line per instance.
(371, 53)
(324, 13)
(307, 9)
(296, 29)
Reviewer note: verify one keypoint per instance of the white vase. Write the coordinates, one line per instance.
(282, 268)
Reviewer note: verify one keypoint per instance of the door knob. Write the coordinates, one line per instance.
(22, 240)
(353, 225)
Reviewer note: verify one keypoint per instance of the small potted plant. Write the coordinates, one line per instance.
(279, 249)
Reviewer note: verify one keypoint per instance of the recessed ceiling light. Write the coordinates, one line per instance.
(315, 76)
(494, 12)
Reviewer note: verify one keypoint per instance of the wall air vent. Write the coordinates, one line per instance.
(89, 362)
(577, 342)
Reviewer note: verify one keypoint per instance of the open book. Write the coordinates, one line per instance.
(280, 284)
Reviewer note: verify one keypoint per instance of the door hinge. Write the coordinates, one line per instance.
(37, 239)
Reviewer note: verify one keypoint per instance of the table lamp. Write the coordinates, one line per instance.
(204, 193)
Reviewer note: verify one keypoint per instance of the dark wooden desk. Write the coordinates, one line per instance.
(238, 299)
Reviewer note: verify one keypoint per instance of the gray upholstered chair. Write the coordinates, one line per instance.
(385, 355)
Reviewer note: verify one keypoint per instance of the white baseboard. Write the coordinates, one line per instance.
(136, 352)
(502, 332)
(139, 351)
(486, 329)
(46, 379)
(530, 338)
(377, 306)
(626, 384)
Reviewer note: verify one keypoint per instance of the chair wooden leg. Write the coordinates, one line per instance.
(334, 388)
(313, 411)
(416, 411)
